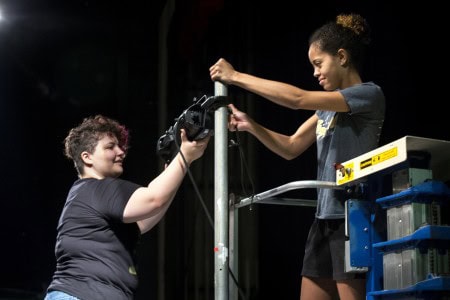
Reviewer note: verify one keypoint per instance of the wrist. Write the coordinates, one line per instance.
(183, 160)
(234, 78)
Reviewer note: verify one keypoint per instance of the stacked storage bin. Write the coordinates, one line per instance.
(416, 261)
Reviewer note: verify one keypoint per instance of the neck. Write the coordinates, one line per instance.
(90, 174)
(352, 79)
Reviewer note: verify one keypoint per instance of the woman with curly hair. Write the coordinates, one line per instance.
(347, 121)
(104, 216)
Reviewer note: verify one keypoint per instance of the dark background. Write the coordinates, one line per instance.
(61, 61)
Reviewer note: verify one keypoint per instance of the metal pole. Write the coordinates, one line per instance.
(221, 196)
(233, 236)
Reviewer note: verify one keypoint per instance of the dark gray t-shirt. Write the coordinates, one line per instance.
(343, 136)
(94, 248)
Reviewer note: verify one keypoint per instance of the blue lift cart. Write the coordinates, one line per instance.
(397, 218)
(398, 226)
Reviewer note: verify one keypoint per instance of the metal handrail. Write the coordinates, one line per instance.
(267, 196)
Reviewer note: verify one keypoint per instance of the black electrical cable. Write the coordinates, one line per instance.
(244, 167)
(208, 215)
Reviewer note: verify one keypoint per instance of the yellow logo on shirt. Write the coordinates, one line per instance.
(132, 270)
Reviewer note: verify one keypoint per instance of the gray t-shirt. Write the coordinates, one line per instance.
(343, 136)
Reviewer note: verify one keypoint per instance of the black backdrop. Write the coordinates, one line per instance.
(63, 60)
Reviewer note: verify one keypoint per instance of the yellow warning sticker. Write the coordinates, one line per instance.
(346, 173)
(379, 158)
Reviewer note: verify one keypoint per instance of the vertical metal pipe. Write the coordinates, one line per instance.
(233, 220)
(221, 196)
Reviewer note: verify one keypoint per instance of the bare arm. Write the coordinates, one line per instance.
(288, 147)
(278, 92)
(147, 205)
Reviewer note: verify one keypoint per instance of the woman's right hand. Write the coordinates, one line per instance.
(192, 150)
(238, 120)
(222, 71)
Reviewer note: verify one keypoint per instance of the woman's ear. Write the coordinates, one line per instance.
(343, 57)
(86, 157)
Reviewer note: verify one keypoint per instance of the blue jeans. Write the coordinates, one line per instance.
(57, 295)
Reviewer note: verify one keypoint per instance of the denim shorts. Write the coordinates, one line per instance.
(57, 295)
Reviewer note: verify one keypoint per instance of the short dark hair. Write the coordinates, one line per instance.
(86, 135)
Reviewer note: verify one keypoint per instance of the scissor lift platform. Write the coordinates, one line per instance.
(379, 162)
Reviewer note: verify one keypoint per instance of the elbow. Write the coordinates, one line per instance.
(299, 103)
(288, 155)
(292, 150)
(158, 203)
(300, 100)
(157, 198)
(295, 101)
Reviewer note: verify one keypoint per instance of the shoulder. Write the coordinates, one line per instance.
(105, 184)
(370, 85)
(366, 86)
(94, 182)
(119, 183)
(364, 90)
(365, 97)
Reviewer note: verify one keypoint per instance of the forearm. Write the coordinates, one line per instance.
(288, 147)
(164, 188)
(275, 142)
(154, 199)
(167, 183)
(278, 92)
